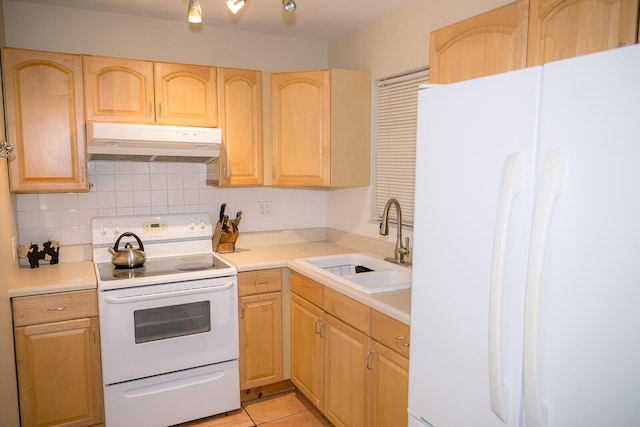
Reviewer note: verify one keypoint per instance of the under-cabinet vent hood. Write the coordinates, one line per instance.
(152, 143)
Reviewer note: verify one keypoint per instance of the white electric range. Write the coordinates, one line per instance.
(169, 328)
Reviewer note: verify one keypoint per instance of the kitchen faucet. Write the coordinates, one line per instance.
(401, 250)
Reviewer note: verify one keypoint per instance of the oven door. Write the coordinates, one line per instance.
(151, 330)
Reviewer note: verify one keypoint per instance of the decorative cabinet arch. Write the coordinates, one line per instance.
(137, 91)
(240, 114)
(490, 43)
(560, 29)
(45, 120)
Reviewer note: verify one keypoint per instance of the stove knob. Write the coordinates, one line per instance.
(103, 231)
(192, 226)
(202, 225)
(116, 230)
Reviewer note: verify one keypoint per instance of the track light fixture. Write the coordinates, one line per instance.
(194, 13)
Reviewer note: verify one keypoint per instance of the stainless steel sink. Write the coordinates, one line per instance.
(361, 272)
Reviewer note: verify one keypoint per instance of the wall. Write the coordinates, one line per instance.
(132, 188)
(393, 44)
(82, 31)
(8, 267)
(121, 188)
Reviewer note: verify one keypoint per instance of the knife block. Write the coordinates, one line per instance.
(224, 242)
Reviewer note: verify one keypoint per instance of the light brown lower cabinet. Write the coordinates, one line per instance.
(388, 387)
(57, 340)
(352, 378)
(345, 373)
(260, 327)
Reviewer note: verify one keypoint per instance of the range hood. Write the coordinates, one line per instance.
(152, 143)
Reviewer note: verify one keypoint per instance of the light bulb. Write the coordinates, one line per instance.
(235, 5)
(289, 5)
(194, 13)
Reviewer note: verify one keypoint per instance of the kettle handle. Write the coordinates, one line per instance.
(128, 234)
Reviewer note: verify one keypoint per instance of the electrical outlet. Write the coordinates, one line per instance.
(264, 209)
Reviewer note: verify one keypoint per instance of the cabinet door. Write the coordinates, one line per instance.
(567, 28)
(260, 340)
(306, 349)
(59, 374)
(301, 128)
(185, 95)
(118, 90)
(45, 120)
(345, 373)
(490, 43)
(240, 112)
(389, 387)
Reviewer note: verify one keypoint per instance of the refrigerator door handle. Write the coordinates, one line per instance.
(550, 186)
(512, 183)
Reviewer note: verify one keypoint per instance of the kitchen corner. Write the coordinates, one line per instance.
(395, 304)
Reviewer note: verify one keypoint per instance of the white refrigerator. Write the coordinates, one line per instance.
(526, 268)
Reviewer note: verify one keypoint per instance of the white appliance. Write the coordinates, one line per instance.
(526, 269)
(169, 328)
(152, 143)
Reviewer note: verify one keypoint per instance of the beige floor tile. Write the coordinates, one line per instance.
(237, 418)
(305, 419)
(273, 408)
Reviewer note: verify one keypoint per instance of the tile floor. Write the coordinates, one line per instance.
(287, 409)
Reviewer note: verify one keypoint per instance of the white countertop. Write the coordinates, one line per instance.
(80, 275)
(396, 304)
(61, 277)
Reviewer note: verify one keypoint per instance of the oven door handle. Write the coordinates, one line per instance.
(173, 385)
(168, 294)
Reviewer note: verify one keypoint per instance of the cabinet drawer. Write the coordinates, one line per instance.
(348, 310)
(390, 332)
(54, 307)
(259, 281)
(307, 288)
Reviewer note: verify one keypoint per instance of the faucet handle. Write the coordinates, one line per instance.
(406, 245)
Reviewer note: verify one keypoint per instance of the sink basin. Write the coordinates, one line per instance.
(361, 272)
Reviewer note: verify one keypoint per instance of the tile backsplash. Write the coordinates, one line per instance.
(132, 188)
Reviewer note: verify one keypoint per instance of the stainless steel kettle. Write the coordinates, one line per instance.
(128, 257)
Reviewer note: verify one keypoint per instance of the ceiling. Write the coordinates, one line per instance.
(320, 20)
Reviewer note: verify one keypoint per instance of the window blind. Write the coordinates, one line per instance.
(396, 142)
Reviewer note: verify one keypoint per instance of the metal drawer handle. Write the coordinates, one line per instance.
(400, 340)
(64, 307)
(368, 359)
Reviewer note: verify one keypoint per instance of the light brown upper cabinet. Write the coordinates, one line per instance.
(136, 91)
(45, 120)
(490, 43)
(185, 95)
(118, 90)
(565, 28)
(321, 128)
(240, 112)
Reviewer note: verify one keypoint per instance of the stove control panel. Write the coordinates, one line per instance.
(106, 230)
